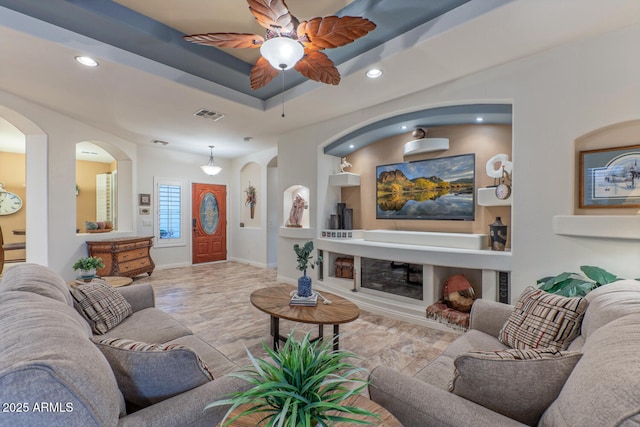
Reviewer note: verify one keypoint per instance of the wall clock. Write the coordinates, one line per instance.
(10, 203)
(503, 191)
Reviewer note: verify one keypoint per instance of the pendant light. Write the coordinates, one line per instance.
(211, 168)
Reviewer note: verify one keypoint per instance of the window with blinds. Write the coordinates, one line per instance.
(169, 210)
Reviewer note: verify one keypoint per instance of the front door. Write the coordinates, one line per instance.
(209, 223)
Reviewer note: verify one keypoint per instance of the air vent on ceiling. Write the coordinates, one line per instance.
(157, 141)
(208, 114)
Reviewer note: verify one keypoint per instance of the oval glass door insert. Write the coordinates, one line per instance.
(209, 213)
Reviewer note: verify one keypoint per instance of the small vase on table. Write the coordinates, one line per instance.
(304, 285)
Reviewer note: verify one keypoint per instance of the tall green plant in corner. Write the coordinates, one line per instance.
(305, 385)
(573, 284)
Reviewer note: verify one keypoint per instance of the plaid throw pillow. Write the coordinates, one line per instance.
(540, 319)
(104, 306)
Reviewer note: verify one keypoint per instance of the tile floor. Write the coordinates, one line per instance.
(213, 300)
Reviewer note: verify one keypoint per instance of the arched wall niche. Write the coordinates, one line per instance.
(296, 207)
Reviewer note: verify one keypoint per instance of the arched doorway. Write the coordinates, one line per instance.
(273, 223)
(36, 185)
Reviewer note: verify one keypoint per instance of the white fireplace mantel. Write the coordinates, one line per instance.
(438, 262)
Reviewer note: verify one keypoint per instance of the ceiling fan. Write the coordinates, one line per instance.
(289, 43)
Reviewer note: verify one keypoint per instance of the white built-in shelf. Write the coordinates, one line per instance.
(344, 179)
(485, 259)
(447, 240)
(425, 145)
(603, 226)
(487, 197)
(297, 233)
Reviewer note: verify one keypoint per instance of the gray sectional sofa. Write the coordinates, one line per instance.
(52, 373)
(602, 389)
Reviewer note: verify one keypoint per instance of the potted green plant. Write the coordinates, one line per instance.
(305, 385)
(573, 284)
(304, 261)
(88, 266)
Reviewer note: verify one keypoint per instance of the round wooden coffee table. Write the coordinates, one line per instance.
(275, 302)
(386, 418)
(117, 281)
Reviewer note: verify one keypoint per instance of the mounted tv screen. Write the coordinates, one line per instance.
(433, 189)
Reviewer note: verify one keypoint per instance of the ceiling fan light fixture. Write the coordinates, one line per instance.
(211, 168)
(282, 52)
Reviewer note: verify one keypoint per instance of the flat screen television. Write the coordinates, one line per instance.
(441, 188)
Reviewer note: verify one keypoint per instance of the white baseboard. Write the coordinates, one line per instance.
(248, 262)
(176, 265)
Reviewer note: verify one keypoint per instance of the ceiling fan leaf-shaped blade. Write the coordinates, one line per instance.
(262, 73)
(273, 15)
(334, 31)
(235, 40)
(317, 66)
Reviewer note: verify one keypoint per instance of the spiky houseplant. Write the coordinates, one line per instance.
(304, 385)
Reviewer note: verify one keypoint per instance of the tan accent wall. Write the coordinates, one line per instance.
(483, 140)
(86, 200)
(12, 174)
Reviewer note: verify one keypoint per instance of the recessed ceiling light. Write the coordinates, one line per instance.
(404, 127)
(479, 119)
(374, 73)
(352, 146)
(85, 60)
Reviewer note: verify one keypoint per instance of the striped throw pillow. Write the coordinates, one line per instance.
(102, 305)
(543, 320)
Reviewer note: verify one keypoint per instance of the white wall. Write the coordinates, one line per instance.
(249, 244)
(557, 96)
(51, 183)
(166, 163)
(51, 178)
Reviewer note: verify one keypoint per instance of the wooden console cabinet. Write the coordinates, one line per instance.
(127, 256)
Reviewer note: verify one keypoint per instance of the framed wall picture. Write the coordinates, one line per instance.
(144, 211)
(144, 199)
(610, 178)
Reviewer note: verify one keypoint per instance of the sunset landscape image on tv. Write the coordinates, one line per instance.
(433, 189)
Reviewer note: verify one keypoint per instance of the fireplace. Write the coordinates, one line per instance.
(393, 277)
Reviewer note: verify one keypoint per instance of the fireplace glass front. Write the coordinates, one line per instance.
(393, 277)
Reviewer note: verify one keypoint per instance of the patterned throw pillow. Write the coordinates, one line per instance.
(540, 320)
(520, 384)
(149, 373)
(104, 306)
